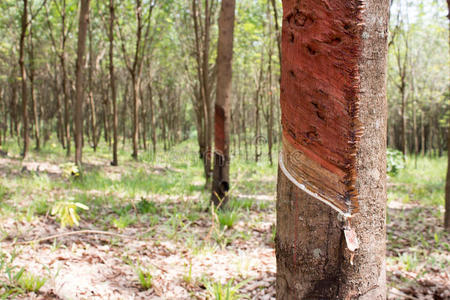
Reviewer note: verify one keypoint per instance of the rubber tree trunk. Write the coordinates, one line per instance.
(13, 126)
(222, 118)
(115, 161)
(62, 58)
(91, 94)
(79, 81)
(447, 182)
(37, 134)
(23, 75)
(202, 27)
(447, 188)
(136, 104)
(313, 261)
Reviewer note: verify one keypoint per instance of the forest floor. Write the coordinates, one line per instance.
(163, 241)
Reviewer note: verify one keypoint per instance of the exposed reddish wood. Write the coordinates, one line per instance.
(219, 129)
(319, 96)
(222, 121)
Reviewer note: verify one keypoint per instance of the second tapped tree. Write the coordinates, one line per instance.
(221, 168)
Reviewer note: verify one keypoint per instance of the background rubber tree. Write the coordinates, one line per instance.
(113, 80)
(79, 80)
(222, 117)
(23, 76)
(203, 20)
(134, 59)
(313, 261)
(447, 182)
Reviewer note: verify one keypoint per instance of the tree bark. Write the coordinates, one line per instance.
(447, 186)
(402, 70)
(33, 98)
(414, 112)
(422, 134)
(23, 75)
(13, 126)
(136, 104)
(91, 94)
(270, 108)
(152, 118)
(162, 117)
(257, 138)
(79, 85)
(124, 114)
(222, 118)
(447, 182)
(312, 259)
(106, 113)
(144, 120)
(112, 79)
(62, 58)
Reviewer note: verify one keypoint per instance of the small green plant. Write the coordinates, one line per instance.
(66, 212)
(395, 161)
(221, 237)
(244, 203)
(40, 206)
(188, 277)
(70, 170)
(146, 207)
(409, 261)
(123, 221)
(145, 278)
(227, 291)
(15, 280)
(30, 282)
(228, 218)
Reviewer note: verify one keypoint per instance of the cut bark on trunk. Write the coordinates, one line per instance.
(222, 118)
(313, 260)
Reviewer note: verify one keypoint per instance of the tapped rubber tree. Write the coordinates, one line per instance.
(79, 80)
(331, 198)
(222, 118)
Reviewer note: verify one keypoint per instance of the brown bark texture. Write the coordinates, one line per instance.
(447, 188)
(313, 261)
(447, 182)
(221, 172)
(79, 80)
(112, 80)
(321, 130)
(34, 103)
(23, 75)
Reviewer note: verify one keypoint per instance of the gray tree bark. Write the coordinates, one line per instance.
(79, 85)
(313, 261)
(221, 173)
